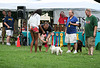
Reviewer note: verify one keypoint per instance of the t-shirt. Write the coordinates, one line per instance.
(62, 20)
(34, 20)
(46, 31)
(10, 22)
(91, 22)
(72, 28)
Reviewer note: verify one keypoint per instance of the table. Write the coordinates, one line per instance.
(82, 38)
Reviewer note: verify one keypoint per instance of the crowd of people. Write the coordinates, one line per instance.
(70, 30)
(37, 30)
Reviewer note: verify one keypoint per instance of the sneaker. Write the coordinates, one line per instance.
(68, 51)
(8, 44)
(75, 52)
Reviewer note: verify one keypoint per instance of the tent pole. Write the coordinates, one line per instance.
(27, 29)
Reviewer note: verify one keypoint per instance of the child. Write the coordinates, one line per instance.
(41, 40)
(34, 22)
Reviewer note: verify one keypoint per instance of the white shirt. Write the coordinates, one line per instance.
(34, 20)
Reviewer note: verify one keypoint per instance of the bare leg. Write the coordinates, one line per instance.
(40, 48)
(36, 41)
(75, 46)
(68, 46)
(32, 35)
(8, 39)
(3, 34)
(91, 49)
(2, 40)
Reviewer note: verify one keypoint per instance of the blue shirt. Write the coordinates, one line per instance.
(10, 22)
(72, 28)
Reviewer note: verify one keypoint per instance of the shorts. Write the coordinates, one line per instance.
(9, 32)
(71, 38)
(35, 29)
(3, 31)
(90, 42)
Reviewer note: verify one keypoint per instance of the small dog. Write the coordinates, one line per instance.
(79, 46)
(56, 50)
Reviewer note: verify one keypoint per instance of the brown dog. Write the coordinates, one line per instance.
(79, 46)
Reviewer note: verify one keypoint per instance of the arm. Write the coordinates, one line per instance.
(83, 32)
(41, 29)
(7, 25)
(65, 30)
(39, 36)
(5, 22)
(95, 26)
(49, 35)
(47, 39)
(74, 24)
(95, 30)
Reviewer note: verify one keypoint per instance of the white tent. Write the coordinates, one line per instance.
(5, 4)
(60, 5)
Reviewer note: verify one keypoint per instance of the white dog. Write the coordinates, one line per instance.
(56, 50)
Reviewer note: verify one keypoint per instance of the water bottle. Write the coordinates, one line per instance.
(65, 22)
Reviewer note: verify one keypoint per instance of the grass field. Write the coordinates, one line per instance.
(13, 57)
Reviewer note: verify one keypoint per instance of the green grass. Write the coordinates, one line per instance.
(20, 57)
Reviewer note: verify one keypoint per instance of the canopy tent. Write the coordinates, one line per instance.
(56, 7)
(49, 5)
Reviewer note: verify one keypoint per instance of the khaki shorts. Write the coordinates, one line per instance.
(9, 33)
(71, 38)
(90, 42)
(3, 31)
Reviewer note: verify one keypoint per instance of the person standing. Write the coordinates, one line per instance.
(90, 31)
(34, 22)
(3, 27)
(9, 24)
(70, 31)
(62, 20)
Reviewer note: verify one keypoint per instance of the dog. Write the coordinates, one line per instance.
(56, 50)
(79, 46)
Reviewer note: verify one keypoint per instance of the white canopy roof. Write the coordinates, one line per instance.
(12, 4)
